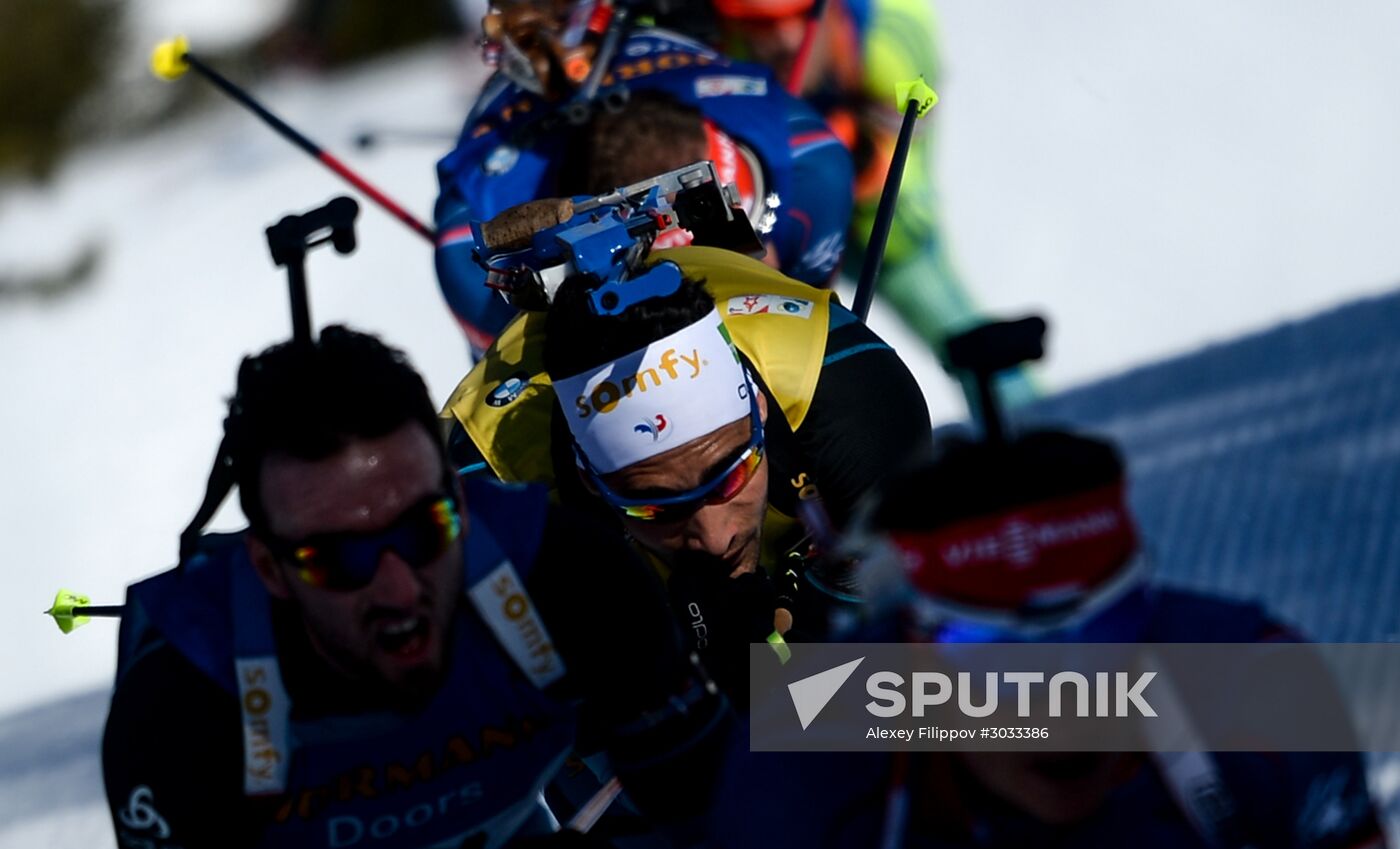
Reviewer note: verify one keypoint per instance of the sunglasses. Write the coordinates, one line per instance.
(722, 488)
(349, 561)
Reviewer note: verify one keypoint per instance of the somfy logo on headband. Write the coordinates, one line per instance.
(670, 367)
(674, 390)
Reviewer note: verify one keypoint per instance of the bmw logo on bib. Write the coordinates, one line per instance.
(509, 390)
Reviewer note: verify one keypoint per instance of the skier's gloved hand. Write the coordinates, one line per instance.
(723, 612)
(721, 616)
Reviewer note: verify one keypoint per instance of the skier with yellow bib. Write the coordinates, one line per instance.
(696, 398)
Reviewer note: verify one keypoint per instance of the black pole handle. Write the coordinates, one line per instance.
(288, 241)
(989, 349)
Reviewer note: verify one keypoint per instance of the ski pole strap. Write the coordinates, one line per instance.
(915, 99)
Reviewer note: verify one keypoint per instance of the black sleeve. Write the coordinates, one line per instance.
(172, 759)
(644, 697)
(867, 418)
(606, 610)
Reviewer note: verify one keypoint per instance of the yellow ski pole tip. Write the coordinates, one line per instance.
(917, 91)
(168, 59)
(62, 610)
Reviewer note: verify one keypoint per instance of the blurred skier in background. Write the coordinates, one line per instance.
(974, 546)
(585, 102)
(859, 50)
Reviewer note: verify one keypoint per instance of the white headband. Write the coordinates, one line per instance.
(658, 398)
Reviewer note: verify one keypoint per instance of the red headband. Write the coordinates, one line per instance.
(1044, 553)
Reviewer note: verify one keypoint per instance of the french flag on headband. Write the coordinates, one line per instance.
(657, 427)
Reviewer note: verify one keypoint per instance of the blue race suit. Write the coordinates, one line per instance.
(467, 768)
(493, 167)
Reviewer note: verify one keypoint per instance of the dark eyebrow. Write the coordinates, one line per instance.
(725, 463)
(712, 472)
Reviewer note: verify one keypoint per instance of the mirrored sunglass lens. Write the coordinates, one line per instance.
(645, 512)
(425, 537)
(733, 482)
(737, 479)
(351, 563)
(334, 567)
(446, 519)
(310, 566)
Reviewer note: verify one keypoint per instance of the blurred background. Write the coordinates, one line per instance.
(1203, 198)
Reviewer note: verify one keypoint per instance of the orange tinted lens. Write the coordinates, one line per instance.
(645, 512)
(309, 567)
(736, 480)
(733, 483)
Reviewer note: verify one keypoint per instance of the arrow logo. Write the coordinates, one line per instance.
(812, 693)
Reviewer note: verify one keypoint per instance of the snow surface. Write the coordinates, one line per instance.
(208, 24)
(1153, 175)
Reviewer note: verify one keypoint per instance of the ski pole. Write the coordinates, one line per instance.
(915, 98)
(171, 59)
(71, 610)
(804, 51)
(595, 807)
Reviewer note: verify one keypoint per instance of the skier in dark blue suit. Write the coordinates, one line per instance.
(665, 101)
(1031, 540)
(384, 658)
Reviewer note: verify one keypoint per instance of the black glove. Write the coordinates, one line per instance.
(720, 616)
(719, 612)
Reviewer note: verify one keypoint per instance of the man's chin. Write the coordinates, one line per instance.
(745, 566)
(704, 563)
(746, 561)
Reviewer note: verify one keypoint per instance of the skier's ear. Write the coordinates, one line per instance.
(266, 565)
